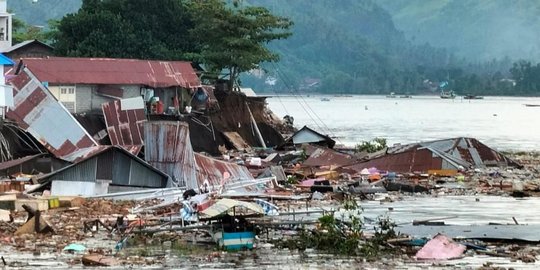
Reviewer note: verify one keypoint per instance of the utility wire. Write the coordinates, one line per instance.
(328, 131)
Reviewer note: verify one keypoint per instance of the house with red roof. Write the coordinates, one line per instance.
(83, 84)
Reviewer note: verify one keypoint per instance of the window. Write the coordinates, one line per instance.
(67, 90)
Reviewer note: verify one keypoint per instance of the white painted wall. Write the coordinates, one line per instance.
(66, 94)
(5, 26)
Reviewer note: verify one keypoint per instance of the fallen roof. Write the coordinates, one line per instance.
(224, 205)
(125, 123)
(168, 148)
(38, 112)
(457, 153)
(327, 157)
(215, 171)
(152, 73)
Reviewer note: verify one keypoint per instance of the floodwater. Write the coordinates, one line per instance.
(504, 123)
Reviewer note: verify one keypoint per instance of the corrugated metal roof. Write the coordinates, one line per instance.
(25, 43)
(125, 127)
(457, 152)
(39, 113)
(214, 171)
(90, 152)
(85, 153)
(327, 157)
(409, 161)
(168, 148)
(224, 205)
(156, 74)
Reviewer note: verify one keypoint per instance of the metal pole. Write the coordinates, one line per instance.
(261, 140)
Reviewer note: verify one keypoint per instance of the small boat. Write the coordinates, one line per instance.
(473, 97)
(448, 95)
(392, 95)
(405, 96)
(532, 105)
(325, 99)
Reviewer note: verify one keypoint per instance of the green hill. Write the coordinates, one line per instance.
(38, 13)
(381, 46)
(475, 29)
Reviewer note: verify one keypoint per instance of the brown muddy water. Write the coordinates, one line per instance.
(465, 210)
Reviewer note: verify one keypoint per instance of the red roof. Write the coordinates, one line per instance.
(152, 73)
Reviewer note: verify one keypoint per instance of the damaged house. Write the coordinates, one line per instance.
(84, 84)
(307, 135)
(449, 154)
(103, 169)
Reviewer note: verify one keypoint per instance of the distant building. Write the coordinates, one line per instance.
(308, 136)
(28, 49)
(5, 26)
(84, 84)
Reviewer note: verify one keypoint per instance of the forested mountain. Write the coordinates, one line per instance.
(351, 46)
(40, 11)
(475, 29)
(383, 46)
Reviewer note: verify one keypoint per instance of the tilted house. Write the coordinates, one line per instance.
(448, 154)
(84, 84)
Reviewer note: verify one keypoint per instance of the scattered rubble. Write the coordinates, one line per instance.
(99, 198)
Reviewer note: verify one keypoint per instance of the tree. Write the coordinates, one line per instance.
(23, 31)
(143, 29)
(234, 38)
(373, 146)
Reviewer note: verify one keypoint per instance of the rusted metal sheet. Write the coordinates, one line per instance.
(39, 113)
(468, 152)
(413, 160)
(219, 172)
(168, 148)
(125, 127)
(85, 153)
(156, 74)
(456, 153)
(327, 157)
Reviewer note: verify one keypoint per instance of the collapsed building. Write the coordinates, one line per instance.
(89, 112)
(448, 154)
